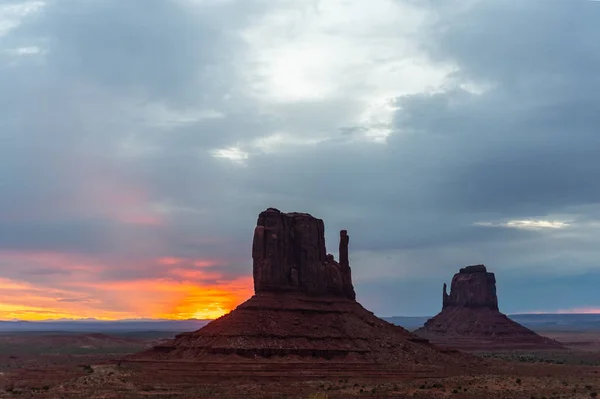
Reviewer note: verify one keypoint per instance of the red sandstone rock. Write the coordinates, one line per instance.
(470, 318)
(472, 287)
(304, 308)
(289, 254)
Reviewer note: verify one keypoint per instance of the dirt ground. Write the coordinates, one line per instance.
(87, 367)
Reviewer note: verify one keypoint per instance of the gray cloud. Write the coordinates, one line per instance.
(108, 135)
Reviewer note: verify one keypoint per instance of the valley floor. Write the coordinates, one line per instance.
(86, 366)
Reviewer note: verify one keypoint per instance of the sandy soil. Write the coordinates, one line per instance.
(100, 375)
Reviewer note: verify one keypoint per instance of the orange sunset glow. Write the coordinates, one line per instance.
(185, 291)
(138, 299)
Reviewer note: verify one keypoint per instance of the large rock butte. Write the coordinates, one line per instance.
(303, 309)
(470, 317)
(288, 254)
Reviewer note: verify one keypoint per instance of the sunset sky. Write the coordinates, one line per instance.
(139, 140)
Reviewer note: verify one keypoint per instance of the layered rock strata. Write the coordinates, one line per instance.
(470, 317)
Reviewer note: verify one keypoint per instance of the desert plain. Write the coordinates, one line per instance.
(86, 365)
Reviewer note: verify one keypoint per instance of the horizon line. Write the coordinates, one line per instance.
(145, 319)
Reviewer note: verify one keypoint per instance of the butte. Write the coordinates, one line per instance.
(304, 309)
(471, 320)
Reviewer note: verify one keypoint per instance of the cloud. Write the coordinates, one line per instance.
(142, 139)
(527, 224)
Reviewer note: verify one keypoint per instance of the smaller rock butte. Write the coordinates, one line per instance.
(470, 317)
(303, 309)
(472, 287)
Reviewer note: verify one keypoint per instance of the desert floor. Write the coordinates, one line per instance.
(46, 365)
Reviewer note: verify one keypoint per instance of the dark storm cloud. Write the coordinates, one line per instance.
(69, 111)
(524, 148)
(162, 48)
(527, 146)
(165, 78)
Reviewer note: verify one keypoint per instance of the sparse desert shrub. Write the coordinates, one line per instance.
(518, 380)
(422, 387)
(593, 394)
(588, 387)
(88, 368)
(455, 391)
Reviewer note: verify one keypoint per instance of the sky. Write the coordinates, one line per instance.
(140, 139)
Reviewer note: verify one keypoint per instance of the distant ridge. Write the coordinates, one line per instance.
(102, 326)
(534, 321)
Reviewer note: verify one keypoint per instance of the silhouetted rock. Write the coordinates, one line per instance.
(304, 307)
(289, 254)
(472, 287)
(470, 317)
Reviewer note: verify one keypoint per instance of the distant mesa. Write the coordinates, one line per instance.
(304, 309)
(470, 317)
(472, 287)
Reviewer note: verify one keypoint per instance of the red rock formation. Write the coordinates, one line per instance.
(289, 254)
(470, 317)
(304, 308)
(472, 287)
